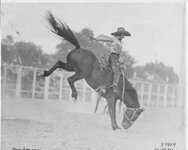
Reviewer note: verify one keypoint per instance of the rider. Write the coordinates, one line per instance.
(115, 48)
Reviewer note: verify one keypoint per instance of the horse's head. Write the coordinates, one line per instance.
(130, 115)
(131, 101)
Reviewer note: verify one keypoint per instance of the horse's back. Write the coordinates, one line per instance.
(83, 60)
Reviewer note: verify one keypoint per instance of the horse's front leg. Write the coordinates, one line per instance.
(71, 80)
(112, 111)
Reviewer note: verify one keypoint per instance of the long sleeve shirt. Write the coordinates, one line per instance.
(112, 43)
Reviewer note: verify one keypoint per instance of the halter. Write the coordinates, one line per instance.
(133, 115)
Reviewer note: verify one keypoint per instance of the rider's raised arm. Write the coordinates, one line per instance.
(102, 38)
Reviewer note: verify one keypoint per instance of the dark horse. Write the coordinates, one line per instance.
(86, 65)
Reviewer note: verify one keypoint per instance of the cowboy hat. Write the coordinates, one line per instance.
(121, 31)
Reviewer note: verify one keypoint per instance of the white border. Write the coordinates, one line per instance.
(94, 1)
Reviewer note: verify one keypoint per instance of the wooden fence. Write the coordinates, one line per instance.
(23, 82)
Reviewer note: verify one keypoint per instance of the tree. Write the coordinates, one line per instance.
(159, 71)
(29, 53)
(86, 32)
(139, 72)
(24, 53)
(7, 45)
(129, 61)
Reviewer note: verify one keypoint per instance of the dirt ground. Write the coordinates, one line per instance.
(58, 125)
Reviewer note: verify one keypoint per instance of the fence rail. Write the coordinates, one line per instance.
(23, 82)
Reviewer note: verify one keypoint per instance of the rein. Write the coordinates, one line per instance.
(123, 92)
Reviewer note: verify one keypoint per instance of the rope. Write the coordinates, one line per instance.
(123, 92)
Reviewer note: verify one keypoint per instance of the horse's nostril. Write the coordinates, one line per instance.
(125, 125)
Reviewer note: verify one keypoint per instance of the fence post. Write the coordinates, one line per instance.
(165, 96)
(141, 93)
(173, 96)
(46, 87)
(94, 97)
(34, 82)
(158, 94)
(149, 94)
(84, 90)
(61, 86)
(18, 82)
(181, 97)
(4, 79)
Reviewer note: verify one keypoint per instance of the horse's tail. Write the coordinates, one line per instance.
(61, 29)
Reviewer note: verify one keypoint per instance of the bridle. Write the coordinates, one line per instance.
(130, 120)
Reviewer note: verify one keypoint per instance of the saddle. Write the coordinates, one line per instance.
(104, 64)
(103, 61)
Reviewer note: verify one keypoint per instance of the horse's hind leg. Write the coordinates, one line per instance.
(77, 76)
(59, 64)
(106, 109)
(97, 103)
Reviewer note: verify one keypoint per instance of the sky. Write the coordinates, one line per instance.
(157, 29)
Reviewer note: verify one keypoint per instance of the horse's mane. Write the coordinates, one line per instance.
(61, 29)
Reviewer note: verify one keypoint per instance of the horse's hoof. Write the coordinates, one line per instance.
(42, 74)
(116, 128)
(74, 100)
(74, 96)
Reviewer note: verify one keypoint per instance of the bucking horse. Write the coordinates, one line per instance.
(86, 66)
